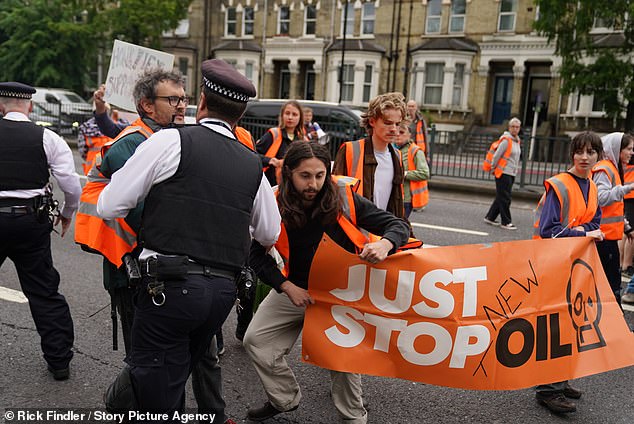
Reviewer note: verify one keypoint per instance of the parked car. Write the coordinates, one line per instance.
(57, 123)
(340, 122)
(64, 103)
(190, 114)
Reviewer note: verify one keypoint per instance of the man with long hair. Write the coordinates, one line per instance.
(311, 203)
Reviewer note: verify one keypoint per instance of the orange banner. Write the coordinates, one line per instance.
(490, 317)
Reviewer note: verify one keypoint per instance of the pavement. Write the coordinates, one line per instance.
(466, 186)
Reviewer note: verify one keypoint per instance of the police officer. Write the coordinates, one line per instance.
(27, 153)
(205, 196)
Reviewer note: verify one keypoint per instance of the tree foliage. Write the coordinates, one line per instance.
(594, 62)
(55, 43)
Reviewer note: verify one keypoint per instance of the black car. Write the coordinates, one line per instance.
(339, 122)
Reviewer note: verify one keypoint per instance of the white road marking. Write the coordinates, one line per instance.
(454, 230)
(12, 295)
(627, 307)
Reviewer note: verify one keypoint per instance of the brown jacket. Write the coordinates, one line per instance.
(395, 204)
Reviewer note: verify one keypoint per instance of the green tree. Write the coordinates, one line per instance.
(593, 63)
(44, 42)
(55, 43)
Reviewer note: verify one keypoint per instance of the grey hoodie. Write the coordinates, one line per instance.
(608, 193)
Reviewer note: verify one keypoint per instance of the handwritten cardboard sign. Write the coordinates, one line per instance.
(490, 317)
(127, 63)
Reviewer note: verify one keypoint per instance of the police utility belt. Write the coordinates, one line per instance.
(161, 268)
(16, 206)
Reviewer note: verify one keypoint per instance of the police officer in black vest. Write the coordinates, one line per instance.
(27, 153)
(205, 197)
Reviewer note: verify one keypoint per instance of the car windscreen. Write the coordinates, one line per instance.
(71, 98)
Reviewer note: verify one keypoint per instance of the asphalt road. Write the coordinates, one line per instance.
(25, 382)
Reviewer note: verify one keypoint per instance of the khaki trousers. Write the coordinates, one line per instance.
(270, 337)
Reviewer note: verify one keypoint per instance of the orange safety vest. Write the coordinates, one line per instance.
(347, 220)
(574, 210)
(94, 145)
(628, 177)
(112, 238)
(355, 159)
(420, 136)
(612, 222)
(244, 137)
(418, 189)
(488, 160)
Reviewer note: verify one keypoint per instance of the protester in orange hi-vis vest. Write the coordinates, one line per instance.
(415, 191)
(312, 204)
(504, 164)
(273, 144)
(161, 102)
(608, 176)
(626, 247)
(418, 126)
(570, 208)
(373, 160)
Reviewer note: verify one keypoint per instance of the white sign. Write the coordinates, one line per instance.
(127, 63)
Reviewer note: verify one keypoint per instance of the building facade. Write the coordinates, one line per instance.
(466, 62)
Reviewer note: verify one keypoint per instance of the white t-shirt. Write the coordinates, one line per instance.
(383, 177)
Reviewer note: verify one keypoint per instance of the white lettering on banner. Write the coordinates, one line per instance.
(470, 340)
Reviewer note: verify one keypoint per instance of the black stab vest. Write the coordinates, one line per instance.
(23, 163)
(204, 210)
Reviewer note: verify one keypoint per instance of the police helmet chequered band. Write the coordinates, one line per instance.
(225, 92)
(16, 90)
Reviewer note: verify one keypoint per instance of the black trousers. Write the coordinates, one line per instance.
(168, 341)
(502, 203)
(610, 259)
(27, 242)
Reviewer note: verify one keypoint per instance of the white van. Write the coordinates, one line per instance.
(64, 103)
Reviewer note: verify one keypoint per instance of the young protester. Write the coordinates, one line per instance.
(570, 208)
(272, 146)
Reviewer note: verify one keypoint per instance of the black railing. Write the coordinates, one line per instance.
(64, 119)
(460, 154)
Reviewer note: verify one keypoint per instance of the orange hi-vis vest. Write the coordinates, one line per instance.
(244, 137)
(94, 145)
(355, 159)
(347, 220)
(418, 189)
(488, 160)
(628, 177)
(112, 238)
(574, 209)
(420, 136)
(276, 133)
(612, 221)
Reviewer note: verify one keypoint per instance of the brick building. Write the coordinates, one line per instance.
(466, 62)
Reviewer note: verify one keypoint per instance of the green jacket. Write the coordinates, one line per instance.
(421, 172)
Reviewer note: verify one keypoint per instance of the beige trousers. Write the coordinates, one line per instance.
(270, 337)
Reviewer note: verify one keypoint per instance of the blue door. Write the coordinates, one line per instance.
(502, 97)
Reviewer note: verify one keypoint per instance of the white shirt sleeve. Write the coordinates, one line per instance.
(154, 161)
(62, 165)
(265, 216)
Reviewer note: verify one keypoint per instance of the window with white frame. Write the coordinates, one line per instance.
(310, 19)
(603, 24)
(367, 83)
(368, 14)
(458, 84)
(434, 9)
(508, 10)
(347, 19)
(284, 20)
(458, 12)
(347, 80)
(434, 75)
(230, 20)
(247, 21)
(248, 71)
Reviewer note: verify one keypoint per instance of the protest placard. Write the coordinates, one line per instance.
(127, 63)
